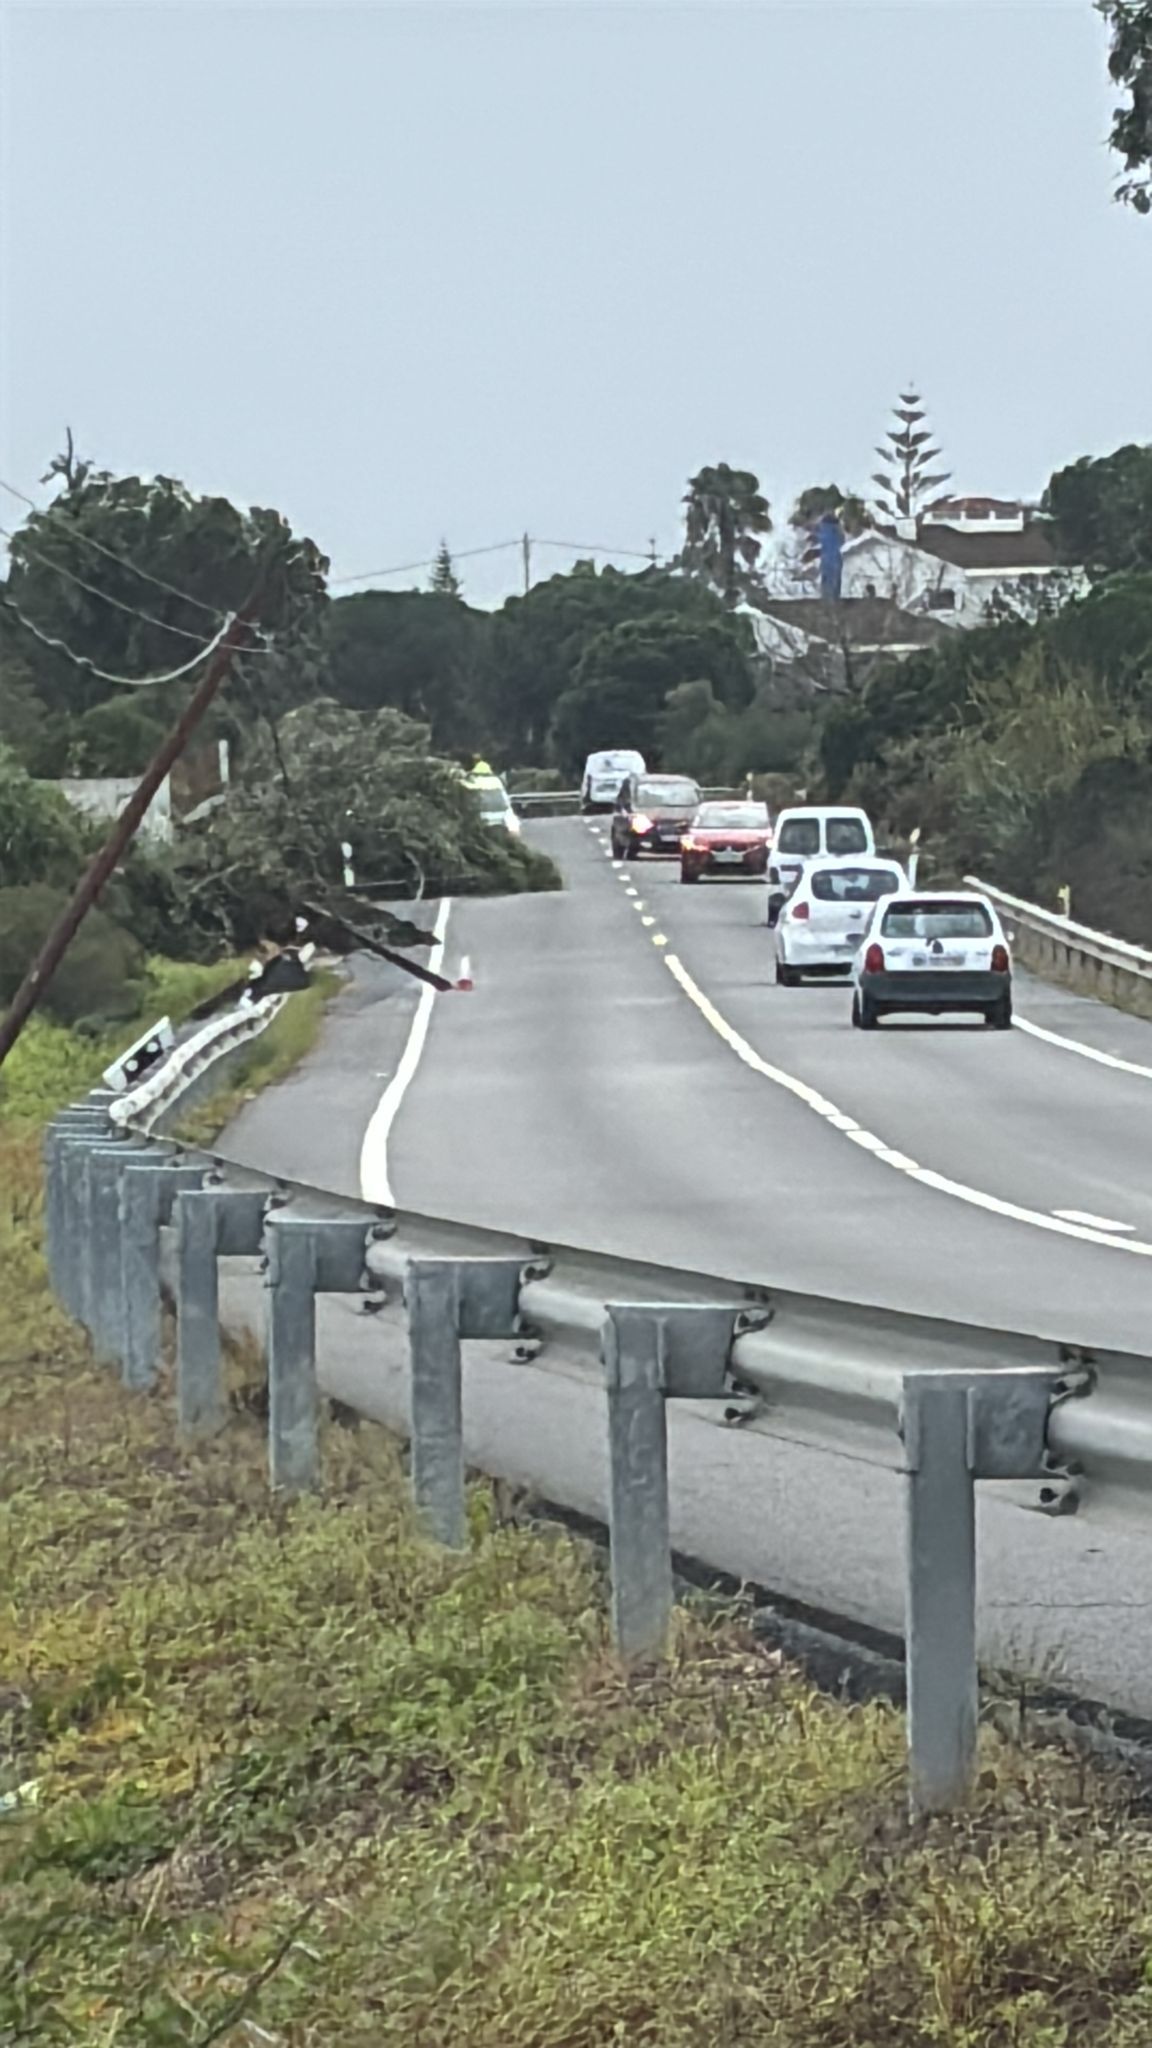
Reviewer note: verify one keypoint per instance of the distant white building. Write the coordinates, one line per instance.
(962, 560)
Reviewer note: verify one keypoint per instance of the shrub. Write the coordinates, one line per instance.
(98, 979)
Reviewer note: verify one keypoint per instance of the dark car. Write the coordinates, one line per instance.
(653, 812)
(726, 839)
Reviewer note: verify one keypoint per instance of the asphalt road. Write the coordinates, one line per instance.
(625, 1075)
(583, 1092)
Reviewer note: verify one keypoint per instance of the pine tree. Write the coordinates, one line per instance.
(444, 577)
(908, 479)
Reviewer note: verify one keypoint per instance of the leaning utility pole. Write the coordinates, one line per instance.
(123, 832)
(526, 545)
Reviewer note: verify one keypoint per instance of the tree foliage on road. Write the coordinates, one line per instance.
(1130, 66)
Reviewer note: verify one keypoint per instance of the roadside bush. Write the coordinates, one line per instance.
(42, 837)
(98, 980)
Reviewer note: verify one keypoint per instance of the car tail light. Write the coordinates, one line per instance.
(800, 910)
(874, 959)
(999, 959)
(639, 823)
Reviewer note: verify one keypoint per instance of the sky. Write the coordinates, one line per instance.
(407, 272)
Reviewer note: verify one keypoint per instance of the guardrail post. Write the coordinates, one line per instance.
(957, 1428)
(105, 1168)
(79, 1120)
(447, 1300)
(152, 1180)
(306, 1256)
(211, 1223)
(652, 1353)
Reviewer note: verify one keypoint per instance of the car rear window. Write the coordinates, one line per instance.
(657, 793)
(959, 920)
(846, 835)
(854, 885)
(732, 817)
(800, 835)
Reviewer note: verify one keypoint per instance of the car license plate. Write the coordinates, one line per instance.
(935, 960)
(729, 853)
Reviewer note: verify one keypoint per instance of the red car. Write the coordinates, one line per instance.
(726, 839)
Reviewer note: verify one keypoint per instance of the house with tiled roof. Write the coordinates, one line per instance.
(962, 560)
(831, 643)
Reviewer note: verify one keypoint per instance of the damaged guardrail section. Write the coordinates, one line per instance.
(130, 1218)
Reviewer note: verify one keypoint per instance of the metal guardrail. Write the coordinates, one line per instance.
(165, 1085)
(561, 803)
(945, 1404)
(1092, 962)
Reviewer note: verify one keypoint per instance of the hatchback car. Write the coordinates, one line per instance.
(813, 832)
(726, 839)
(933, 953)
(827, 914)
(652, 814)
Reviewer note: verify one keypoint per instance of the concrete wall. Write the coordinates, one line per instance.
(105, 797)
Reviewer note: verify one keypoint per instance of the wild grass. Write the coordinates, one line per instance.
(283, 1772)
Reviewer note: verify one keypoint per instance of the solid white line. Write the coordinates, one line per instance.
(1060, 1226)
(1086, 1052)
(375, 1185)
(1093, 1222)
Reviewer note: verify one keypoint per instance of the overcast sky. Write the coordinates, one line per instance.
(412, 271)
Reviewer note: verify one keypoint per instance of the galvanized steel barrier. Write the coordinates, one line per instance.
(949, 1405)
(1091, 962)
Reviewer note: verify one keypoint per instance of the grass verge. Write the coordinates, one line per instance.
(281, 1772)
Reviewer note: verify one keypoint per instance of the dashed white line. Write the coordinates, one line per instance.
(375, 1185)
(1097, 1231)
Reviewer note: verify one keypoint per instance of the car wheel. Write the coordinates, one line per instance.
(686, 875)
(786, 977)
(864, 1012)
(1000, 1014)
(773, 916)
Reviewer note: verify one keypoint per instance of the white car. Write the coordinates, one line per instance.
(934, 952)
(492, 797)
(822, 923)
(813, 832)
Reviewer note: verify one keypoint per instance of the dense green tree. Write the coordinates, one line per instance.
(818, 499)
(1130, 66)
(725, 520)
(99, 979)
(624, 676)
(538, 641)
(1101, 509)
(75, 567)
(417, 651)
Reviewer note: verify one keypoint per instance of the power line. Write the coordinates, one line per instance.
(586, 547)
(495, 547)
(127, 682)
(94, 590)
(125, 561)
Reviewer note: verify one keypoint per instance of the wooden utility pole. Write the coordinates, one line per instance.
(526, 545)
(123, 832)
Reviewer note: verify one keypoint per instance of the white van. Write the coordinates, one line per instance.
(604, 775)
(813, 832)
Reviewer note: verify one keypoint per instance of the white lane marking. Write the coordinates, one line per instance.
(1092, 1222)
(646, 921)
(812, 1099)
(658, 939)
(631, 891)
(375, 1185)
(1086, 1052)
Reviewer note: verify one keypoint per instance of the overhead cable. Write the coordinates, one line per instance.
(106, 597)
(127, 682)
(125, 561)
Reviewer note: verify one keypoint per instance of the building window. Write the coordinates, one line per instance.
(941, 600)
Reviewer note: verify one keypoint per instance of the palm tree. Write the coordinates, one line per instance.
(725, 515)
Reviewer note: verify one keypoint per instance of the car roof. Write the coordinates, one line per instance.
(642, 775)
(825, 811)
(853, 860)
(942, 896)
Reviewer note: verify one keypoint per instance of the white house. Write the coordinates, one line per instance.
(962, 559)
